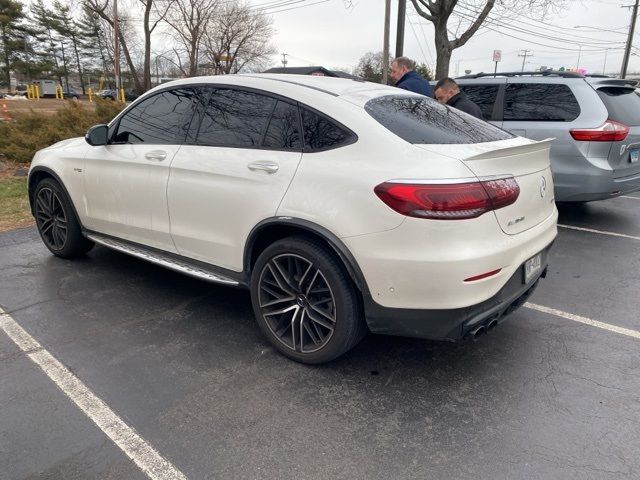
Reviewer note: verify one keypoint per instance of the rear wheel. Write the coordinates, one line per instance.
(57, 224)
(304, 301)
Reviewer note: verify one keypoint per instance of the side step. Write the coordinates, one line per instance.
(162, 258)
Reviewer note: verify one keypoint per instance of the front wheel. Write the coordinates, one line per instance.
(56, 221)
(304, 301)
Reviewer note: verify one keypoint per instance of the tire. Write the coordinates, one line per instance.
(57, 224)
(304, 301)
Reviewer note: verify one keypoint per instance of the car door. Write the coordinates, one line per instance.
(232, 173)
(125, 181)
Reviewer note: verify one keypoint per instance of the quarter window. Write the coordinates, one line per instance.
(235, 118)
(320, 133)
(541, 102)
(283, 131)
(161, 119)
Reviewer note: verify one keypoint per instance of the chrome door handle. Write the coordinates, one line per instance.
(269, 167)
(158, 155)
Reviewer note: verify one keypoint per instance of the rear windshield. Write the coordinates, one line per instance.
(423, 120)
(622, 104)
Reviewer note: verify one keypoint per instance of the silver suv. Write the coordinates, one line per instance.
(595, 122)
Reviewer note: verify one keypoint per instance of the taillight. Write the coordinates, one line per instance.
(449, 201)
(609, 131)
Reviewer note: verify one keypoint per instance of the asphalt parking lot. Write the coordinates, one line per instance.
(552, 393)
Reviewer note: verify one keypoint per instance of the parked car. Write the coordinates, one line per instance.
(70, 95)
(343, 206)
(107, 94)
(595, 122)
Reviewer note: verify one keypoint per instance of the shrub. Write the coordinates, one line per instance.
(27, 133)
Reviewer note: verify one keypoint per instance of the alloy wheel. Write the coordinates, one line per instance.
(51, 219)
(297, 303)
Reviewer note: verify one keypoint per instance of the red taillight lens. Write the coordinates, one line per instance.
(449, 201)
(609, 131)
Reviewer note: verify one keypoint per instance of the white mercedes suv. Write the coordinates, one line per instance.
(344, 206)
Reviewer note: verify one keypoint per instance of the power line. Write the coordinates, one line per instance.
(417, 40)
(572, 40)
(594, 47)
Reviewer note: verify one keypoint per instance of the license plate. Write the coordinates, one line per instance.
(531, 267)
(633, 155)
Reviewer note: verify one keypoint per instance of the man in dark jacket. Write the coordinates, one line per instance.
(448, 92)
(405, 77)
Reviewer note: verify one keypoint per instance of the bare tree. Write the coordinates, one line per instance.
(103, 10)
(189, 21)
(469, 16)
(239, 39)
(158, 9)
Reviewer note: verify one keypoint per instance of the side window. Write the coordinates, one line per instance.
(161, 119)
(284, 128)
(542, 102)
(322, 134)
(484, 96)
(235, 118)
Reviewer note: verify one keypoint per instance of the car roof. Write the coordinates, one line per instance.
(355, 91)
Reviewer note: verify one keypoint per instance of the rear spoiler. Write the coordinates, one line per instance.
(517, 150)
(614, 82)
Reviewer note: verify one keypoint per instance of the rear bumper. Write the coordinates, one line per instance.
(454, 324)
(592, 183)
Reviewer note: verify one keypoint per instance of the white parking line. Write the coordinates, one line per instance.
(131, 443)
(629, 196)
(587, 321)
(601, 232)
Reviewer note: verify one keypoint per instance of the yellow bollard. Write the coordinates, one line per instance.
(59, 93)
(37, 92)
(121, 95)
(90, 92)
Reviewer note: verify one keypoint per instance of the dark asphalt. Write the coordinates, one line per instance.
(183, 363)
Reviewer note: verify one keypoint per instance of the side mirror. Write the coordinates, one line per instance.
(97, 135)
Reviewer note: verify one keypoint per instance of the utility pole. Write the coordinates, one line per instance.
(402, 13)
(284, 60)
(525, 54)
(116, 48)
(627, 50)
(385, 47)
(579, 53)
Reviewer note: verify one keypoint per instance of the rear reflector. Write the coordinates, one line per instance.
(449, 201)
(483, 275)
(609, 131)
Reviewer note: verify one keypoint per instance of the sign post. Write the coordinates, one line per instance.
(497, 56)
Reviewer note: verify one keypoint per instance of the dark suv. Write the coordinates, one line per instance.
(595, 122)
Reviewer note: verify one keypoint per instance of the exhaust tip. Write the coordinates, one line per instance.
(477, 332)
(492, 324)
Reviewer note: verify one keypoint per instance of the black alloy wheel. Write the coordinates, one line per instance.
(297, 303)
(305, 302)
(56, 221)
(51, 218)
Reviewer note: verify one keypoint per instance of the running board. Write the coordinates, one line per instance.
(162, 259)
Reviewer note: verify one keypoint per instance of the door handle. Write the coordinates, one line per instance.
(269, 167)
(157, 155)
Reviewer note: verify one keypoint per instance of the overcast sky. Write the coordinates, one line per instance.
(331, 35)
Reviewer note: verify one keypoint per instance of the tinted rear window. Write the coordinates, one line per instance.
(540, 102)
(622, 104)
(320, 133)
(423, 120)
(484, 96)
